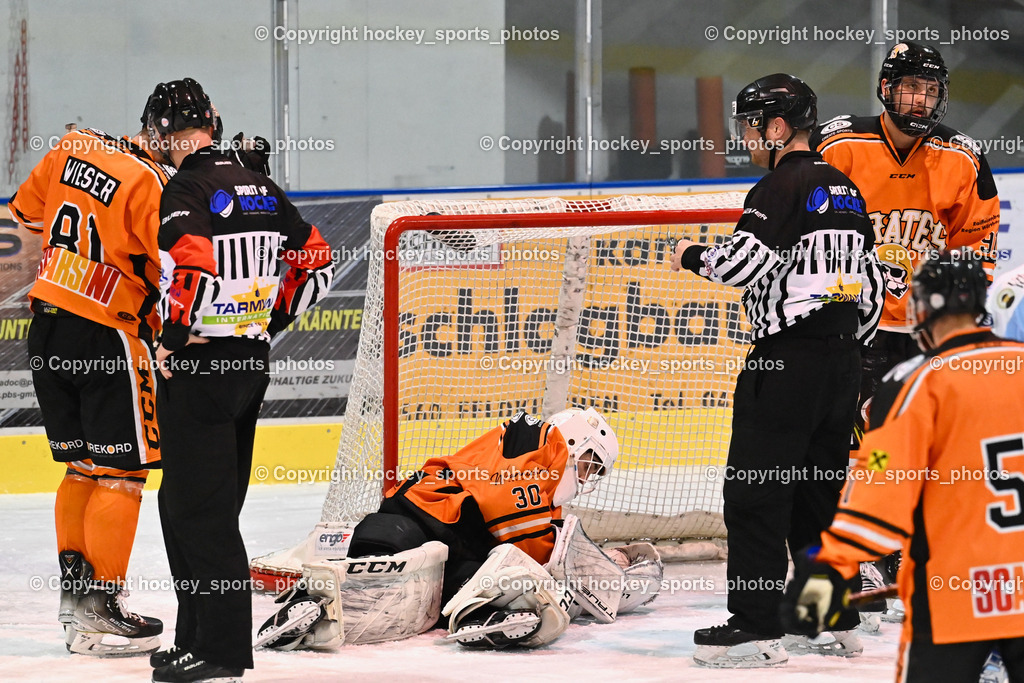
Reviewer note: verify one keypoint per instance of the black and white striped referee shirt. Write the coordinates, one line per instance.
(804, 253)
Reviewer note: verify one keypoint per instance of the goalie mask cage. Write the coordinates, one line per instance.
(477, 309)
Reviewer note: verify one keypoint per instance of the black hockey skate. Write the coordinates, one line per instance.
(189, 669)
(497, 629)
(75, 578)
(101, 625)
(729, 647)
(290, 624)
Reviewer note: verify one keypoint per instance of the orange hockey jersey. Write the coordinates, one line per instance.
(940, 476)
(941, 197)
(96, 199)
(510, 472)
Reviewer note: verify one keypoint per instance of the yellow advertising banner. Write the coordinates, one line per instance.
(656, 350)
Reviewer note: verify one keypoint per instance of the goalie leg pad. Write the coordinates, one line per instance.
(509, 581)
(370, 599)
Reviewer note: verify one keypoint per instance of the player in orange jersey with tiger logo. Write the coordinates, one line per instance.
(928, 188)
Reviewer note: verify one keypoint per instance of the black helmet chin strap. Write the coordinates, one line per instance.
(775, 148)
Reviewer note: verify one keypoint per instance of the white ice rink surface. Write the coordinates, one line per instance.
(653, 644)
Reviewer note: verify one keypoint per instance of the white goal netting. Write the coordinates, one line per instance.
(557, 310)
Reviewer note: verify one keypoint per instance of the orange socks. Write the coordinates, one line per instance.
(98, 518)
(69, 511)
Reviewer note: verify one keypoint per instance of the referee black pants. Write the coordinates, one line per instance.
(792, 410)
(207, 417)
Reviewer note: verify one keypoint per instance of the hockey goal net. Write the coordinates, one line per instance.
(477, 309)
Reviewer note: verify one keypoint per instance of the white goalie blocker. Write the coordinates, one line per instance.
(359, 600)
(278, 571)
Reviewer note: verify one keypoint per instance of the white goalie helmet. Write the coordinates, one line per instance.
(593, 448)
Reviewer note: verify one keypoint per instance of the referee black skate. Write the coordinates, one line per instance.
(803, 254)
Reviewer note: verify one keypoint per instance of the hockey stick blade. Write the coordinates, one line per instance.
(525, 620)
(308, 610)
(866, 597)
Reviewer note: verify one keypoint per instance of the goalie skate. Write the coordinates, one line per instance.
(500, 628)
(291, 623)
(832, 643)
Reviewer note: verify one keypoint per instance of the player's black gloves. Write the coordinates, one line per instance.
(815, 598)
(253, 154)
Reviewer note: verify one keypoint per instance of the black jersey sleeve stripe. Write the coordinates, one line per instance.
(535, 534)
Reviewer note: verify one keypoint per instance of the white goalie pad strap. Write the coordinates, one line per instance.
(594, 579)
(511, 579)
(644, 571)
(380, 598)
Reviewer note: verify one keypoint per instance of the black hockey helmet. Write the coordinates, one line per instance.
(909, 59)
(950, 283)
(777, 95)
(179, 105)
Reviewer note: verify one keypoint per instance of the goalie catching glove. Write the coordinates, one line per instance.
(644, 572)
(815, 598)
(604, 584)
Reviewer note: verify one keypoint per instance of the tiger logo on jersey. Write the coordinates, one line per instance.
(897, 268)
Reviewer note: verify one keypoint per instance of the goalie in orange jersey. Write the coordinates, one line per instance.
(939, 476)
(506, 486)
(494, 510)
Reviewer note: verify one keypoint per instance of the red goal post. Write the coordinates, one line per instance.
(476, 309)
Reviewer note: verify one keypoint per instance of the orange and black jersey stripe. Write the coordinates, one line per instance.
(509, 475)
(96, 200)
(940, 476)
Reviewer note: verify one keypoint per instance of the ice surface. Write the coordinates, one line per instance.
(653, 644)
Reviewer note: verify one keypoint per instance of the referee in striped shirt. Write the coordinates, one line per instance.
(812, 291)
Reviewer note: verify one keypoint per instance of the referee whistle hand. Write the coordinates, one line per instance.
(676, 262)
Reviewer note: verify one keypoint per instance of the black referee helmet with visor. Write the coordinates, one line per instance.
(775, 96)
